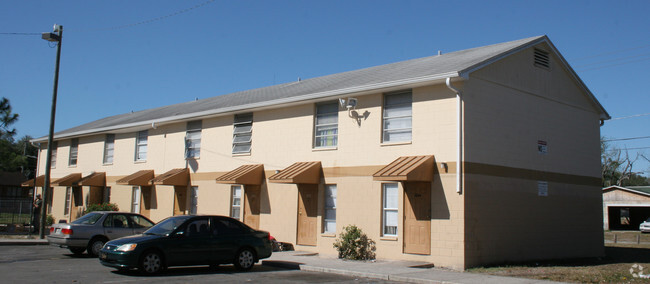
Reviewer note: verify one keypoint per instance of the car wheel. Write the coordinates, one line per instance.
(77, 251)
(245, 259)
(151, 262)
(95, 245)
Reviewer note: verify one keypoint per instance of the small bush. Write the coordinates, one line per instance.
(49, 220)
(354, 244)
(101, 207)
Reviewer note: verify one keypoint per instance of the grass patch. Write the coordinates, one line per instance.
(613, 268)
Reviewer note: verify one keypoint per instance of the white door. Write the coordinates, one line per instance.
(135, 206)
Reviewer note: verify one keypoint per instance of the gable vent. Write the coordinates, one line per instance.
(542, 59)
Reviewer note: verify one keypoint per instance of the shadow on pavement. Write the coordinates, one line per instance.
(198, 270)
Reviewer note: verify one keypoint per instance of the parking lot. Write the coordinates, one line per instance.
(49, 264)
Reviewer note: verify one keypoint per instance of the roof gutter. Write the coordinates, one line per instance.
(283, 101)
(459, 135)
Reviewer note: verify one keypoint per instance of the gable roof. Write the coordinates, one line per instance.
(642, 190)
(402, 74)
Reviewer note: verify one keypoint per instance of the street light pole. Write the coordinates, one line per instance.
(48, 159)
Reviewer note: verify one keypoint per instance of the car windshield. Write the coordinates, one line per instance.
(89, 219)
(165, 227)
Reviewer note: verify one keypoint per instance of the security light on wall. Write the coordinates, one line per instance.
(352, 103)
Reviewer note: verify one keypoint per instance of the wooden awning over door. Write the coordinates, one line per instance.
(179, 177)
(94, 179)
(141, 178)
(40, 181)
(69, 180)
(246, 174)
(413, 168)
(301, 172)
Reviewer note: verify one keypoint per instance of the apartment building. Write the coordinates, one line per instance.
(478, 156)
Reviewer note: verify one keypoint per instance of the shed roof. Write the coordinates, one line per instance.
(642, 190)
(400, 74)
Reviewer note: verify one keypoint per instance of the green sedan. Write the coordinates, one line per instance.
(189, 240)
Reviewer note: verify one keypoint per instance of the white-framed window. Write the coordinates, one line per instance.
(55, 145)
(107, 195)
(135, 200)
(326, 125)
(194, 200)
(141, 145)
(109, 147)
(397, 117)
(235, 211)
(329, 222)
(68, 200)
(74, 152)
(193, 139)
(242, 135)
(389, 209)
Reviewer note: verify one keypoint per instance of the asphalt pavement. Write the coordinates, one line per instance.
(390, 270)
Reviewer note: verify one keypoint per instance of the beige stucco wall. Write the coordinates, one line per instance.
(509, 107)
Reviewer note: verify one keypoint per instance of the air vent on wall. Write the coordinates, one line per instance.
(542, 59)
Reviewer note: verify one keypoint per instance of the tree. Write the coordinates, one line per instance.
(617, 166)
(14, 155)
(7, 119)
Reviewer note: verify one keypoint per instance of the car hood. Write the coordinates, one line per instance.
(135, 239)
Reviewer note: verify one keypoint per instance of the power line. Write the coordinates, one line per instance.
(625, 139)
(612, 65)
(20, 34)
(610, 52)
(631, 116)
(613, 60)
(149, 20)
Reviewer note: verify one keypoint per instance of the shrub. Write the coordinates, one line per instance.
(49, 220)
(101, 207)
(354, 244)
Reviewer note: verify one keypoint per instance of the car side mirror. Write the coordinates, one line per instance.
(179, 234)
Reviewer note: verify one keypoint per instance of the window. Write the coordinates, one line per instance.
(55, 145)
(109, 146)
(140, 222)
(389, 208)
(107, 195)
(235, 211)
(116, 221)
(329, 223)
(193, 139)
(74, 151)
(326, 125)
(141, 145)
(397, 117)
(194, 199)
(242, 134)
(68, 200)
(135, 205)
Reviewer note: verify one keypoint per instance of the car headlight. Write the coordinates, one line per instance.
(126, 247)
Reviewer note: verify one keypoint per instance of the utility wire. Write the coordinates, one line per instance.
(611, 52)
(147, 21)
(613, 60)
(612, 65)
(625, 139)
(631, 116)
(20, 34)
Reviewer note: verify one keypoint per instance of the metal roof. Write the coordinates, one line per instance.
(404, 73)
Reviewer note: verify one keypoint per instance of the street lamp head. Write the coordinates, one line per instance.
(51, 37)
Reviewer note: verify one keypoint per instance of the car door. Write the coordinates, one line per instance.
(117, 226)
(228, 237)
(191, 244)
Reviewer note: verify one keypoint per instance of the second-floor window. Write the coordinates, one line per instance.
(109, 147)
(326, 125)
(74, 152)
(55, 145)
(141, 145)
(193, 139)
(242, 134)
(397, 117)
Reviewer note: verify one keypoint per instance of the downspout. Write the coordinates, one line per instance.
(459, 135)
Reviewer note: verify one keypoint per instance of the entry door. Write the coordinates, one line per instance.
(95, 195)
(145, 202)
(77, 203)
(417, 217)
(180, 200)
(252, 206)
(307, 214)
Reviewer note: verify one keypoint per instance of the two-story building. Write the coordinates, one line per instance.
(478, 156)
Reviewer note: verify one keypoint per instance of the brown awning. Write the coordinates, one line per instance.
(94, 179)
(301, 172)
(69, 180)
(246, 174)
(40, 181)
(415, 168)
(141, 178)
(173, 177)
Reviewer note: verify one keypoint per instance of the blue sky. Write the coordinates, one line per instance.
(110, 64)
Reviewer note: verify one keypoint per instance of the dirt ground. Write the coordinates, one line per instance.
(622, 264)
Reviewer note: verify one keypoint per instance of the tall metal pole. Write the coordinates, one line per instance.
(48, 158)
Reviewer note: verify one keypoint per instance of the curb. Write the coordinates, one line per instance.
(19, 242)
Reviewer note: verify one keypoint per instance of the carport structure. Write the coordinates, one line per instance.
(624, 208)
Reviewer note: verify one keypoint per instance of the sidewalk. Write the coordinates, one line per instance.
(403, 271)
(21, 240)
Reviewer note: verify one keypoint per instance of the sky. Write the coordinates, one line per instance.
(120, 56)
